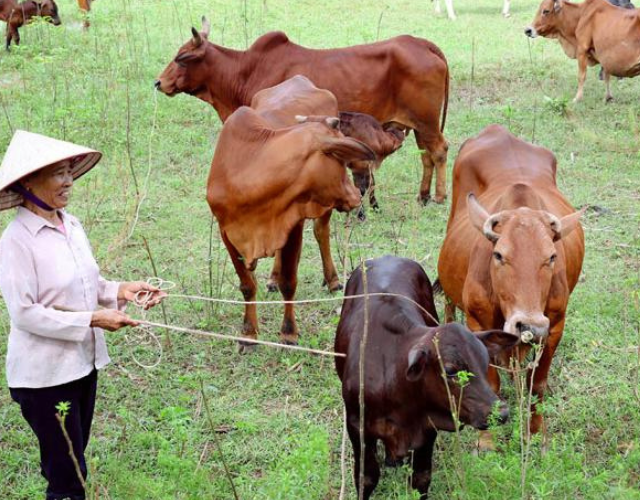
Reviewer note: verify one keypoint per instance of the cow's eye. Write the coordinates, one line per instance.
(545, 12)
(498, 256)
(552, 259)
(450, 371)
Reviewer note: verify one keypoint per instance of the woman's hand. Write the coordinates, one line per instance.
(145, 293)
(111, 319)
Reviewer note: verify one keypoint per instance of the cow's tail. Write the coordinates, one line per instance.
(437, 287)
(436, 50)
(446, 98)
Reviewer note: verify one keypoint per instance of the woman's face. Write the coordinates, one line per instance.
(52, 184)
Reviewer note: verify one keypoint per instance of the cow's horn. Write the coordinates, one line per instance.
(487, 229)
(206, 27)
(332, 122)
(554, 222)
(301, 118)
(197, 39)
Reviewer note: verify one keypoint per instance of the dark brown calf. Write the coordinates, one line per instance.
(382, 139)
(16, 15)
(406, 400)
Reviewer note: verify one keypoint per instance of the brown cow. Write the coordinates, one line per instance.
(403, 80)
(405, 397)
(293, 101)
(384, 140)
(265, 181)
(16, 15)
(512, 256)
(592, 32)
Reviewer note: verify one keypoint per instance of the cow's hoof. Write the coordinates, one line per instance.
(439, 198)
(246, 348)
(424, 199)
(362, 216)
(608, 99)
(288, 338)
(336, 286)
(272, 287)
(375, 207)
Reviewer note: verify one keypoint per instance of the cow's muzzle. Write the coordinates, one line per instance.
(530, 31)
(532, 328)
(157, 84)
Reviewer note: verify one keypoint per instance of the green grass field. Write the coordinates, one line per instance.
(278, 414)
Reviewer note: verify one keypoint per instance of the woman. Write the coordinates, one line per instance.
(52, 288)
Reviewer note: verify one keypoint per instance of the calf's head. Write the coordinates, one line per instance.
(186, 73)
(451, 354)
(548, 20)
(383, 140)
(523, 262)
(48, 9)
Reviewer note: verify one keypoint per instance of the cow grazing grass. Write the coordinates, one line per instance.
(278, 414)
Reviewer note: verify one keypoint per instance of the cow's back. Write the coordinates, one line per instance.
(385, 79)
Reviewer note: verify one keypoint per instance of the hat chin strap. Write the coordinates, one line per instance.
(16, 187)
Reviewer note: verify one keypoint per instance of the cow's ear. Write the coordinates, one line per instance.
(206, 28)
(497, 341)
(567, 224)
(346, 116)
(417, 362)
(347, 150)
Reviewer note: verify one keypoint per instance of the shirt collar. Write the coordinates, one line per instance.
(34, 222)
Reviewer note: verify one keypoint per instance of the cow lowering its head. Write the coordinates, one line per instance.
(412, 366)
(16, 15)
(265, 182)
(512, 256)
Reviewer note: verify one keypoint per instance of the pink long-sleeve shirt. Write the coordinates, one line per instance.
(42, 267)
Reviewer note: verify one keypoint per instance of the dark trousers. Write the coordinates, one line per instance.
(38, 408)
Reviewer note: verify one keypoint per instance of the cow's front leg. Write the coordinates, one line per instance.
(371, 466)
(322, 232)
(540, 374)
(248, 288)
(505, 8)
(288, 283)
(422, 457)
(582, 75)
(607, 83)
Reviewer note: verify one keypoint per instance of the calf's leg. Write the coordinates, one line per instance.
(371, 467)
(322, 232)
(248, 288)
(288, 283)
(422, 458)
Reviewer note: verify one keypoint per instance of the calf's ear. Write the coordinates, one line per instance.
(417, 361)
(347, 150)
(497, 341)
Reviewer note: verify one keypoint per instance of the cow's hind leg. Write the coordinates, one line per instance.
(272, 284)
(434, 157)
(371, 466)
(449, 310)
(248, 288)
(288, 283)
(421, 477)
(322, 232)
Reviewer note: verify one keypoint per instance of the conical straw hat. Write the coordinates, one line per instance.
(29, 152)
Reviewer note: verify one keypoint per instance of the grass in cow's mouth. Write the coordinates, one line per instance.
(279, 415)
